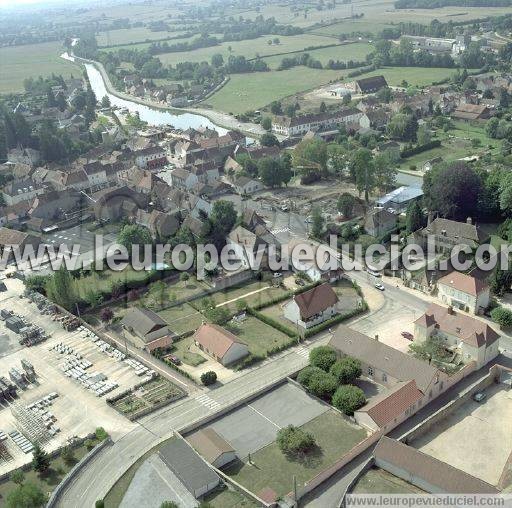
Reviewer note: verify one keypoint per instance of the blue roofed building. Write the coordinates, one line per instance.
(399, 199)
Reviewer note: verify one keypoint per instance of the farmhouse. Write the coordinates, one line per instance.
(219, 343)
(468, 337)
(312, 307)
(464, 292)
(370, 85)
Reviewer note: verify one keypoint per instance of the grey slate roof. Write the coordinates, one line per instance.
(143, 321)
(186, 464)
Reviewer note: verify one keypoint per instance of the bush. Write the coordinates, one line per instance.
(502, 316)
(322, 357)
(209, 378)
(348, 399)
(346, 370)
(408, 152)
(101, 434)
(322, 384)
(306, 374)
(294, 441)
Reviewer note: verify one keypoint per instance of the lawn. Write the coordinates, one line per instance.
(262, 293)
(343, 53)
(378, 481)
(182, 318)
(180, 349)
(58, 469)
(275, 312)
(249, 48)
(334, 437)
(259, 337)
(32, 60)
(134, 34)
(228, 498)
(255, 90)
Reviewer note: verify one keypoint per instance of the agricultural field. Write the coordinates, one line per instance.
(31, 61)
(131, 35)
(249, 48)
(356, 52)
(253, 91)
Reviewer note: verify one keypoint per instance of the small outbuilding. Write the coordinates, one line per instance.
(213, 447)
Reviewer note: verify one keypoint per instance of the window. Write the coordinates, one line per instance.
(370, 371)
(384, 377)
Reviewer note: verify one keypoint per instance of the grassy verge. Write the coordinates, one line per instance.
(377, 481)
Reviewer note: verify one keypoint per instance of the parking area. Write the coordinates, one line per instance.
(254, 425)
(77, 234)
(77, 409)
(476, 438)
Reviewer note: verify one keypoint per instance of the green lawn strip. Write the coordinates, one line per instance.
(275, 312)
(228, 498)
(378, 481)
(58, 469)
(259, 337)
(334, 437)
(180, 349)
(102, 281)
(182, 318)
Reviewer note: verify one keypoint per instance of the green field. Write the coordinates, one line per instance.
(254, 91)
(32, 60)
(378, 481)
(248, 48)
(271, 468)
(343, 53)
(128, 35)
(182, 318)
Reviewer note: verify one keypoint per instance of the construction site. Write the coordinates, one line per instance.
(56, 378)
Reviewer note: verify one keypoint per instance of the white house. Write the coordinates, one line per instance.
(151, 157)
(246, 185)
(472, 339)
(312, 307)
(464, 292)
(183, 179)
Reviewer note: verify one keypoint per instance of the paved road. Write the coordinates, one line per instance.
(101, 473)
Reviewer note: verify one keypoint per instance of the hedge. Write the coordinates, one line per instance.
(271, 322)
(409, 152)
(335, 320)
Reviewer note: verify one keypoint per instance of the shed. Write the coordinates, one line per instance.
(213, 447)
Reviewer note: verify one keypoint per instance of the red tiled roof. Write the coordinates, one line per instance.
(465, 283)
(315, 300)
(215, 339)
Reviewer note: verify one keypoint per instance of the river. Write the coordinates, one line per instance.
(151, 115)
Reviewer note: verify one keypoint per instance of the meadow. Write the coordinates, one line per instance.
(133, 35)
(32, 60)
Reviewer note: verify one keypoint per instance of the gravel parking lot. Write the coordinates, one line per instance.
(476, 438)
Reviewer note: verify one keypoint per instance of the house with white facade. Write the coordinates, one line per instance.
(300, 125)
(468, 337)
(219, 343)
(464, 292)
(151, 157)
(245, 185)
(183, 179)
(312, 307)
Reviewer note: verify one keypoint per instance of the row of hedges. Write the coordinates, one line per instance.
(271, 322)
(409, 152)
(335, 320)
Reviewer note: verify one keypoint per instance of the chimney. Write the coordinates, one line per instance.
(429, 219)
(450, 310)
(376, 337)
(469, 220)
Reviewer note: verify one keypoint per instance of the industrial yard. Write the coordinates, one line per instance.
(55, 382)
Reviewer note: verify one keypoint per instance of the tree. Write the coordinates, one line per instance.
(184, 277)
(27, 495)
(318, 222)
(68, 455)
(403, 127)
(266, 123)
(276, 108)
(423, 135)
(269, 139)
(384, 172)
(106, 314)
(323, 107)
(311, 155)
(502, 316)
(346, 203)
(346, 370)
(294, 441)
(17, 477)
(415, 219)
(322, 357)
(59, 288)
(160, 293)
(317, 381)
(217, 60)
(273, 172)
(500, 282)
(101, 434)
(169, 504)
(40, 459)
(222, 220)
(99, 504)
(105, 102)
(491, 127)
(209, 378)
(505, 191)
(363, 170)
(133, 234)
(348, 398)
(453, 190)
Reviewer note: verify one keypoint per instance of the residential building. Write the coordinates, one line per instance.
(219, 343)
(464, 292)
(213, 447)
(252, 248)
(299, 125)
(21, 190)
(471, 112)
(160, 224)
(146, 329)
(466, 337)
(312, 307)
(244, 185)
(24, 156)
(425, 471)
(17, 240)
(117, 203)
(151, 157)
(379, 222)
(183, 179)
(315, 261)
